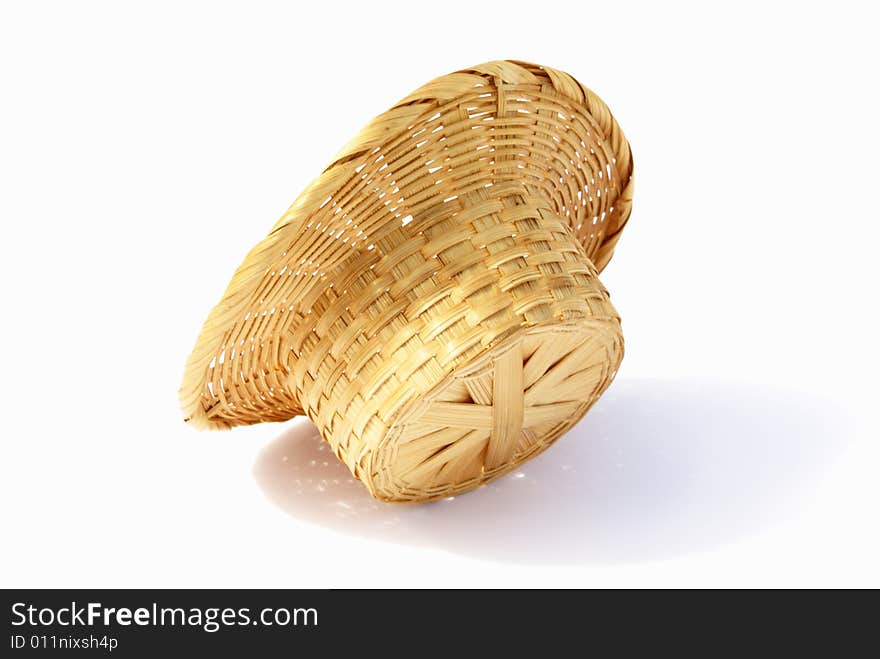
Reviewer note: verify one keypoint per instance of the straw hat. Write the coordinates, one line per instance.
(431, 301)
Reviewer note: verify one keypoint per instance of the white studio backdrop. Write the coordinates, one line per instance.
(144, 148)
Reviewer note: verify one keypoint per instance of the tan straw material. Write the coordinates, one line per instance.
(431, 301)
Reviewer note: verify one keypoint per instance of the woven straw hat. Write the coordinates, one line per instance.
(431, 301)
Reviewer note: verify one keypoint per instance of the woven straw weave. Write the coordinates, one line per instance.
(431, 300)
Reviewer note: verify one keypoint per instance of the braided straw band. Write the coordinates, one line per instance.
(431, 301)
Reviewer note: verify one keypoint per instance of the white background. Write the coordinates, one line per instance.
(145, 148)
